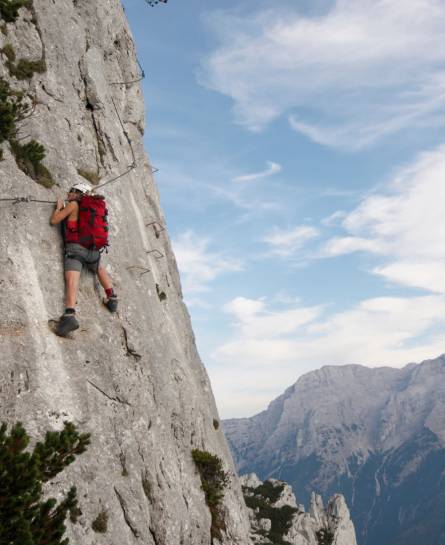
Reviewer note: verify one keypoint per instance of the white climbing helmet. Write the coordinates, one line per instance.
(82, 187)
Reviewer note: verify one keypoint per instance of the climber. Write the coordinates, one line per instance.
(78, 256)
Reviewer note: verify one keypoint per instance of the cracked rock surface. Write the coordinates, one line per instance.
(134, 379)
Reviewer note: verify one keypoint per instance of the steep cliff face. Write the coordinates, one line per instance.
(134, 380)
(375, 435)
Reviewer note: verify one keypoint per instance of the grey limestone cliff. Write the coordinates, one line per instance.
(133, 380)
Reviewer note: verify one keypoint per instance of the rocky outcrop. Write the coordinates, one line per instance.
(375, 435)
(134, 380)
(276, 518)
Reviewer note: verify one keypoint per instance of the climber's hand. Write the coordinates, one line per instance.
(61, 212)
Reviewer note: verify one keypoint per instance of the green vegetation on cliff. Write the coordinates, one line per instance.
(261, 500)
(9, 9)
(26, 517)
(213, 481)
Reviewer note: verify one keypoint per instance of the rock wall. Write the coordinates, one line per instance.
(134, 379)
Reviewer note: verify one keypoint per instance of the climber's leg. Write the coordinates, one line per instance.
(68, 321)
(72, 279)
(111, 301)
(104, 278)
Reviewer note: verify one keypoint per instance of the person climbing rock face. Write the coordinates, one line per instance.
(85, 228)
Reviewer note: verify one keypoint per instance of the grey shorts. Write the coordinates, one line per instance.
(76, 257)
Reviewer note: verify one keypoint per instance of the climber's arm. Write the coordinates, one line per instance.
(61, 211)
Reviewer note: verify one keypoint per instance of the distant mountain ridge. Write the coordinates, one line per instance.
(375, 435)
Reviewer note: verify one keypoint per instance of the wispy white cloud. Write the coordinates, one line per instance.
(347, 245)
(287, 242)
(334, 219)
(365, 69)
(272, 168)
(255, 321)
(253, 204)
(374, 331)
(428, 275)
(205, 184)
(403, 226)
(198, 265)
(270, 348)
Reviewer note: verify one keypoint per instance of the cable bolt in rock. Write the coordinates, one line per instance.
(157, 227)
(134, 267)
(156, 252)
(132, 82)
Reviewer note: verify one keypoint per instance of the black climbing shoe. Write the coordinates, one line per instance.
(111, 303)
(67, 323)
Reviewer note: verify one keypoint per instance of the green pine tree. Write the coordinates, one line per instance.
(26, 518)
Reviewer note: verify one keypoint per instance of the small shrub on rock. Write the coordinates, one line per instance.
(13, 109)
(25, 69)
(100, 523)
(29, 159)
(9, 53)
(213, 481)
(9, 9)
(325, 536)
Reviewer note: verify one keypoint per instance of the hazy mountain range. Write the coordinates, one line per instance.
(376, 435)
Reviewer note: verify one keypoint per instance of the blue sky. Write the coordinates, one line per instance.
(301, 156)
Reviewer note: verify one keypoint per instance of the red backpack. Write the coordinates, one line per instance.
(93, 222)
